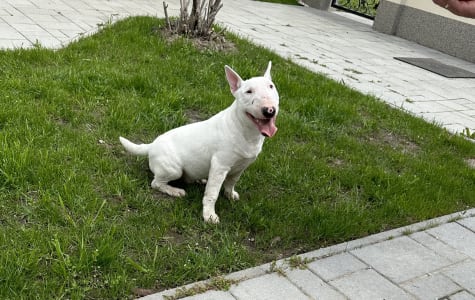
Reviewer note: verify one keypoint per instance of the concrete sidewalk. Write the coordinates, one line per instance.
(434, 259)
(429, 260)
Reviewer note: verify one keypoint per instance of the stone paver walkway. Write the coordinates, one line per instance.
(429, 260)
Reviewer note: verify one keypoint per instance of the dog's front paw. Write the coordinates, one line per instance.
(232, 195)
(211, 218)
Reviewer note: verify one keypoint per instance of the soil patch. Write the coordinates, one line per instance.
(216, 42)
(470, 162)
(396, 141)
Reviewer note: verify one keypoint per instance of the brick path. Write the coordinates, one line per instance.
(434, 259)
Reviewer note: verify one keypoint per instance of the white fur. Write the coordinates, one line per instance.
(218, 149)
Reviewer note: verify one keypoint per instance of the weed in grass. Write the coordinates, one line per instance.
(468, 133)
(79, 219)
(296, 262)
(273, 268)
(216, 283)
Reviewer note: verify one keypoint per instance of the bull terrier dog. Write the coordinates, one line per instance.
(217, 150)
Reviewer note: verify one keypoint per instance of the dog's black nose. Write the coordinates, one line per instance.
(268, 112)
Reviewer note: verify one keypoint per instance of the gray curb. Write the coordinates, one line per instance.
(283, 264)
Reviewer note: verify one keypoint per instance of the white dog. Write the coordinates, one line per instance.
(218, 149)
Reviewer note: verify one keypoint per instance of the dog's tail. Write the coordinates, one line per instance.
(135, 149)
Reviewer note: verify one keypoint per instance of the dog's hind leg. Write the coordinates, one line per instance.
(164, 187)
(162, 177)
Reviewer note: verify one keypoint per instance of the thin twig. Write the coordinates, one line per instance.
(167, 20)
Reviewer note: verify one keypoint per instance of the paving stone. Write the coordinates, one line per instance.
(456, 236)
(454, 104)
(468, 222)
(268, 287)
(431, 287)
(368, 284)
(438, 246)
(463, 295)
(28, 28)
(58, 34)
(312, 285)
(447, 118)
(383, 236)
(463, 274)
(51, 42)
(249, 273)
(401, 258)
(335, 266)
(420, 107)
(13, 44)
(211, 295)
(9, 33)
(17, 18)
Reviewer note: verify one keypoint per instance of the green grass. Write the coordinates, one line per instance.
(78, 218)
(367, 7)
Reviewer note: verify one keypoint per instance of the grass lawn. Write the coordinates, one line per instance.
(78, 218)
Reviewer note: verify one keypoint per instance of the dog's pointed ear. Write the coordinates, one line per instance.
(233, 78)
(267, 73)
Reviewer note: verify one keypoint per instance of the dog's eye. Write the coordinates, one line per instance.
(271, 86)
(249, 91)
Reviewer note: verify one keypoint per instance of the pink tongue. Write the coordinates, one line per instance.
(269, 128)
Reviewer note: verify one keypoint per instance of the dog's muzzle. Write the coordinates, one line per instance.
(268, 112)
(266, 125)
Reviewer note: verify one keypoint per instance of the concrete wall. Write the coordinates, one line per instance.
(423, 22)
(318, 4)
(428, 6)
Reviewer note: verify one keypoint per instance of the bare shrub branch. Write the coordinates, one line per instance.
(198, 23)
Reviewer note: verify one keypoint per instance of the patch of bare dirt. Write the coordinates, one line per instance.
(470, 162)
(141, 292)
(336, 162)
(194, 116)
(396, 142)
(217, 42)
(174, 237)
